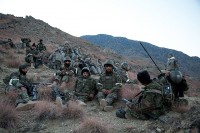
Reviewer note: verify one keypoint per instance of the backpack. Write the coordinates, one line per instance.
(167, 94)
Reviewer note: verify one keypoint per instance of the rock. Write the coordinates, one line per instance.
(26, 106)
(3, 130)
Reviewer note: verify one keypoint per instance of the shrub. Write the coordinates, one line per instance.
(129, 91)
(8, 115)
(13, 63)
(72, 111)
(44, 93)
(91, 126)
(47, 110)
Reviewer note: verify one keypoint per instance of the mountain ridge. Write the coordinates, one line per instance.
(132, 48)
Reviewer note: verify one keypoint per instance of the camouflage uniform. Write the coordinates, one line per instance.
(84, 87)
(149, 103)
(40, 46)
(112, 82)
(65, 73)
(20, 80)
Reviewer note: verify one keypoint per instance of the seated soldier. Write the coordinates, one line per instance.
(85, 86)
(65, 74)
(149, 103)
(109, 85)
(24, 87)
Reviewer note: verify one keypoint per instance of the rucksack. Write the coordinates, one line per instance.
(167, 94)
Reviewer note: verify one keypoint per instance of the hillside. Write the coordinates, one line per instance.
(131, 48)
(51, 117)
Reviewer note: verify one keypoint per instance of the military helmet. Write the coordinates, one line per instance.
(125, 66)
(67, 58)
(85, 69)
(120, 113)
(176, 76)
(108, 62)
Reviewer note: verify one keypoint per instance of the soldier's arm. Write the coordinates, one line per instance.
(118, 84)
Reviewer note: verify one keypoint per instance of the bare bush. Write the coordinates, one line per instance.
(11, 97)
(8, 116)
(73, 110)
(92, 126)
(47, 110)
(129, 91)
(44, 93)
(181, 106)
(13, 63)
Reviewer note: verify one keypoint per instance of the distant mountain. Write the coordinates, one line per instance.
(132, 49)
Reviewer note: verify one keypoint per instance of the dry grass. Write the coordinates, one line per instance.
(129, 91)
(44, 93)
(181, 106)
(47, 110)
(92, 126)
(73, 111)
(8, 116)
(13, 63)
(11, 97)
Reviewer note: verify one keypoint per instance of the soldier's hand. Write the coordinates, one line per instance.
(23, 88)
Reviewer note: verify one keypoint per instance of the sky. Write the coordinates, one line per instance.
(173, 24)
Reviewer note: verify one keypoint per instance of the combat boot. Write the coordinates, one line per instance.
(102, 103)
(108, 108)
(32, 66)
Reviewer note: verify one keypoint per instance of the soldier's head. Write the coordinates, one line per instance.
(33, 46)
(125, 66)
(23, 69)
(85, 72)
(40, 40)
(144, 77)
(67, 61)
(108, 65)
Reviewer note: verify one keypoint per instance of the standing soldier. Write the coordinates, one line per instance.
(85, 86)
(40, 46)
(109, 85)
(175, 77)
(31, 55)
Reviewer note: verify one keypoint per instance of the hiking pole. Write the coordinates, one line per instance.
(150, 57)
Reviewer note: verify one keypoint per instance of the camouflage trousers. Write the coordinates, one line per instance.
(132, 114)
(22, 97)
(62, 78)
(110, 98)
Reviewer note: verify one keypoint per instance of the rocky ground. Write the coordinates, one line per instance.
(178, 120)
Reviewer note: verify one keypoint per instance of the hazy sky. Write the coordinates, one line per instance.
(173, 24)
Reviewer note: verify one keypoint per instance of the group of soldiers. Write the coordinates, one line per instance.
(74, 64)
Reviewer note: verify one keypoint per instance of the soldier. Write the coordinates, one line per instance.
(65, 73)
(109, 85)
(31, 55)
(24, 87)
(124, 73)
(56, 59)
(85, 86)
(40, 46)
(175, 77)
(99, 66)
(149, 103)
